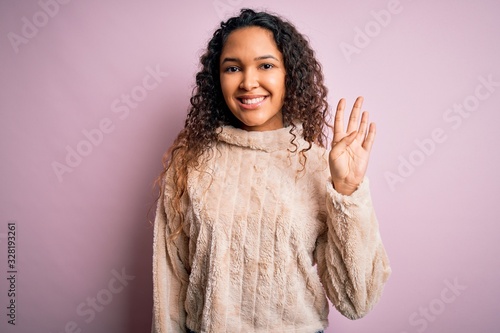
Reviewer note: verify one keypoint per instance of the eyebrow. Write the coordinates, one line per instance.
(267, 56)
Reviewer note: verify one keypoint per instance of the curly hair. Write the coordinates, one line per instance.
(304, 101)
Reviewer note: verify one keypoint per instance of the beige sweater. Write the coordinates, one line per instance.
(264, 246)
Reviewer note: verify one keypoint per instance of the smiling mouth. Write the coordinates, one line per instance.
(251, 101)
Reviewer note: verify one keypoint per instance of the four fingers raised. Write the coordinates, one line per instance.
(364, 126)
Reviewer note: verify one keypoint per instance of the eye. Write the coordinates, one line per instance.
(231, 69)
(267, 66)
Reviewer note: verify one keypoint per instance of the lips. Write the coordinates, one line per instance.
(251, 102)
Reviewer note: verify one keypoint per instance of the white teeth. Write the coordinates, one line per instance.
(253, 100)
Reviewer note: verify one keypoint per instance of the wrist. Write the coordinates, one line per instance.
(343, 188)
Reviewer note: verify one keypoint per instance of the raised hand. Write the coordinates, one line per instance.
(350, 152)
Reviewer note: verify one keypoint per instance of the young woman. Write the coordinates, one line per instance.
(257, 223)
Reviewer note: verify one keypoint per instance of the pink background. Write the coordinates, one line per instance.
(413, 61)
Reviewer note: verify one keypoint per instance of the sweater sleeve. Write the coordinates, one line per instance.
(170, 275)
(352, 262)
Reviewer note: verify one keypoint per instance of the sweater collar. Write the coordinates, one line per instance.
(269, 141)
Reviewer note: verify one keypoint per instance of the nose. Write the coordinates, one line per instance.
(249, 80)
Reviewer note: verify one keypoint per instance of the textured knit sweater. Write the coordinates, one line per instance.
(264, 244)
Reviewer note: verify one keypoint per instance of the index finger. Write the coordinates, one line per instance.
(338, 125)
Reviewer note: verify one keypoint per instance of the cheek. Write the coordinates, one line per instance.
(277, 80)
(224, 89)
(277, 83)
(227, 86)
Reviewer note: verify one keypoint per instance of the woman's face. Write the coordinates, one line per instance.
(252, 76)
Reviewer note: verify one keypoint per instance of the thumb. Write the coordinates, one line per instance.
(347, 140)
(341, 146)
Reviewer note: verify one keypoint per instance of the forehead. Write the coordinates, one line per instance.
(254, 41)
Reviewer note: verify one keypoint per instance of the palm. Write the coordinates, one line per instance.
(350, 151)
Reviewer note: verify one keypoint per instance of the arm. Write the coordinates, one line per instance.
(352, 262)
(170, 276)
